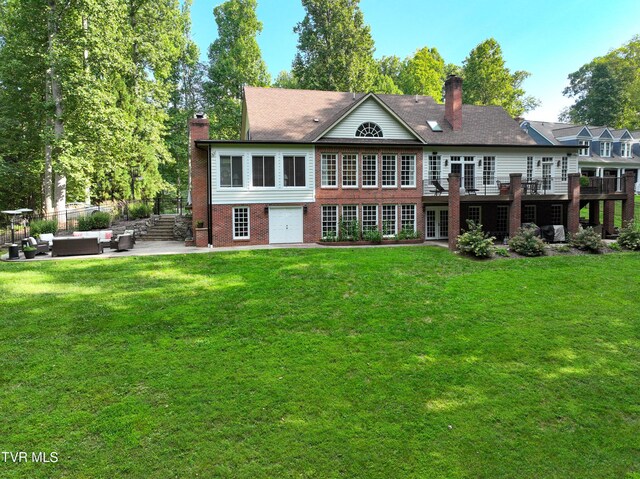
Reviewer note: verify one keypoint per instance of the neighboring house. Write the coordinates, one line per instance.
(308, 159)
(604, 152)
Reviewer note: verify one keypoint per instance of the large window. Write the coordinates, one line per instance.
(556, 214)
(529, 214)
(475, 214)
(564, 168)
(605, 149)
(329, 169)
(294, 170)
(625, 149)
(241, 223)
(349, 171)
(389, 220)
(529, 168)
(264, 170)
(231, 171)
(329, 221)
(408, 217)
(489, 170)
(434, 167)
(584, 151)
(349, 213)
(369, 217)
(369, 130)
(408, 170)
(389, 172)
(502, 219)
(369, 170)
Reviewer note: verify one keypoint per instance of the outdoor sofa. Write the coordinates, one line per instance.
(75, 246)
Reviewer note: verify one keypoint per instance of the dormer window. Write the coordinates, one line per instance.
(605, 149)
(369, 130)
(584, 151)
(625, 149)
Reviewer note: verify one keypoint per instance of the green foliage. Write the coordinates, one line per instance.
(487, 81)
(587, 240)
(85, 223)
(96, 221)
(234, 60)
(408, 234)
(28, 248)
(584, 181)
(476, 242)
(504, 252)
(527, 243)
(285, 79)
(373, 235)
(330, 237)
(141, 210)
(335, 48)
(629, 236)
(423, 74)
(615, 246)
(38, 227)
(349, 230)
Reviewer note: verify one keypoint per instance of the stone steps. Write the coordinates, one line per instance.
(162, 230)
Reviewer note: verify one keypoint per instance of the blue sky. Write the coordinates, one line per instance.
(549, 39)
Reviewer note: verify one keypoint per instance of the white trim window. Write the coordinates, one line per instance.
(389, 220)
(329, 221)
(584, 150)
(389, 171)
(369, 217)
(529, 214)
(369, 171)
(349, 170)
(475, 214)
(564, 168)
(293, 168)
(605, 149)
(489, 170)
(408, 171)
(408, 217)
(241, 222)
(529, 168)
(625, 149)
(369, 130)
(434, 167)
(329, 170)
(556, 214)
(263, 170)
(349, 214)
(231, 175)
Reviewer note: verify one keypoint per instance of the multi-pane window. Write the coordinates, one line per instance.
(625, 149)
(434, 167)
(584, 150)
(474, 214)
(241, 222)
(349, 213)
(389, 172)
(329, 221)
(389, 220)
(264, 170)
(369, 170)
(349, 171)
(369, 130)
(408, 170)
(231, 171)
(529, 167)
(369, 217)
(564, 168)
(605, 149)
(489, 170)
(547, 165)
(556, 214)
(408, 217)
(294, 170)
(529, 214)
(329, 169)
(502, 215)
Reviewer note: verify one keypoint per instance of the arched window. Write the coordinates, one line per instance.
(369, 130)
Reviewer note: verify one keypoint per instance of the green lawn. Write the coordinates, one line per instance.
(327, 363)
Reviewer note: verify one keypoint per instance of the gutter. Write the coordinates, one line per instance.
(209, 209)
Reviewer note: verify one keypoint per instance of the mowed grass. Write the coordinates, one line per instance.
(372, 363)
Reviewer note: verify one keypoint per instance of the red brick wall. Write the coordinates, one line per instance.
(454, 210)
(199, 130)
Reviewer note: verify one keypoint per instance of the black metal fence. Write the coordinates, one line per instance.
(602, 186)
(488, 184)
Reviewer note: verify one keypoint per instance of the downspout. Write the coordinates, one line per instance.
(209, 209)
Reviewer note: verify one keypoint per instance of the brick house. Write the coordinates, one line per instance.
(307, 159)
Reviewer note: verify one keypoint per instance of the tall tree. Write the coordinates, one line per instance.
(335, 47)
(487, 81)
(423, 74)
(285, 79)
(234, 60)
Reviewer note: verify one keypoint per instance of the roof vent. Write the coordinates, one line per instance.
(434, 125)
(315, 120)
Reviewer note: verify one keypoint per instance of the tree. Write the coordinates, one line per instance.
(423, 74)
(234, 60)
(285, 79)
(487, 81)
(335, 48)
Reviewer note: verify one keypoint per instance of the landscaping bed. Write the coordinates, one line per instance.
(370, 243)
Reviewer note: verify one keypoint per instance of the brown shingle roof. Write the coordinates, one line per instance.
(277, 114)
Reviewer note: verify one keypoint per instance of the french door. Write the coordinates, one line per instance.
(436, 223)
(467, 174)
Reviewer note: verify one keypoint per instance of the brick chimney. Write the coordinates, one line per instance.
(453, 102)
(198, 175)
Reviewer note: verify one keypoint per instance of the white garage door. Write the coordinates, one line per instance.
(285, 225)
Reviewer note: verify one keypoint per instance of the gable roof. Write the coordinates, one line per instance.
(278, 114)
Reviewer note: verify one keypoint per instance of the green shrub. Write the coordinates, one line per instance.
(475, 242)
(139, 211)
(565, 248)
(85, 223)
(615, 246)
(330, 237)
(587, 240)
(407, 234)
(39, 227)
(629, 237)
(101, 220)
(584, 181)
(373, 235)
(504, 252)
(526, 243)
(349, 230)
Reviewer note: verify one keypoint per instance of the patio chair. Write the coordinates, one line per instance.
(122, 243)
(42, 247)
(438, 187)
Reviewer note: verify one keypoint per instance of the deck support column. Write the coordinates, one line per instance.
(594, 212)
(573, 209)
(607, 216)
(515, 208)
(454, 209)
(628, 204)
